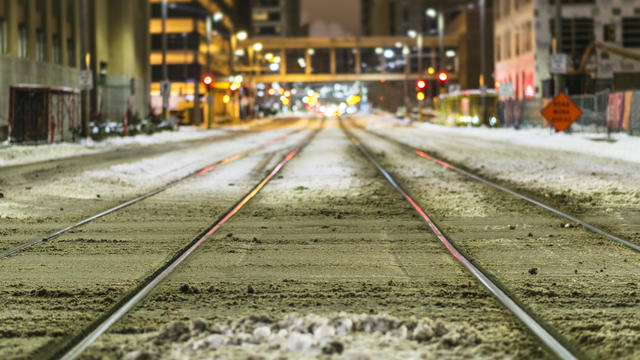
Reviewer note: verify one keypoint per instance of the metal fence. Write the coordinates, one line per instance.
(594, 112)
(597, 111)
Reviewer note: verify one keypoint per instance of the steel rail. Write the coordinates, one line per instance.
(151, 282)
(173, 183)
(550, 342)
(560, 213)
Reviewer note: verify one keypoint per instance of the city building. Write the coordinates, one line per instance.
(460, 18)
(41, 58)
(524, 32)
(275, 18)
(198, 43)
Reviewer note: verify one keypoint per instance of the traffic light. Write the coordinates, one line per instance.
(443, 77)
(207, 80)
(271, 92)
(420, 96)
(421, 84)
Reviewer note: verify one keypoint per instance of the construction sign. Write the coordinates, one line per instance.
(561, 112)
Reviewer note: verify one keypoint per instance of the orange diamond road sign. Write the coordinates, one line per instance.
(561, 112)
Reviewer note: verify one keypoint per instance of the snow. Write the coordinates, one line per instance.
(619, 146)
(26, 154)
(311, 336)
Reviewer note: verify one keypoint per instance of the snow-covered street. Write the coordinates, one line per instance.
(309, 251)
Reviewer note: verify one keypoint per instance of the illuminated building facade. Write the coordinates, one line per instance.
(40, 49)
(523, 44)
(198, 43)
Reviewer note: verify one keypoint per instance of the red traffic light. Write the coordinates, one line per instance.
(443, 77)
(207, 80)
(271, 92)
(421, 84)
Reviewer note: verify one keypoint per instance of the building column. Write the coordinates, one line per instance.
(77, 31)
(47, 27)
(30, 15)
(283, 62)
(63, 33)
(332, 55)
(307, 59)
(12, 28)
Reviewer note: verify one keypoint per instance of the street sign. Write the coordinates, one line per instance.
(506, 90)
(561, 112)
(559, 63)
(85, 80)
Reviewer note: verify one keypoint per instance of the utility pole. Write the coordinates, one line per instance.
(165, 72)
(483, 60)
(84, 64)
(560, 86)
(441, 42)
(211, 90)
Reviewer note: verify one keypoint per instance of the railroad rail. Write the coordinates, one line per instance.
(145, 196)
(423, 154)
(77, 345)
(554, 343)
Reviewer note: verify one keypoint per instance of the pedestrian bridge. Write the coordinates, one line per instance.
(346, 59)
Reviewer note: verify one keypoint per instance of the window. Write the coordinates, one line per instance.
(56, 55)
(71, 53)
(527, 32)
(22, 41)
(631, 32)
(507, 45)
(577, 34)
(39, 45)
(3, 36)
(609, 33)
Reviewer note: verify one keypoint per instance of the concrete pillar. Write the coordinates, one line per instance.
(332, 55)
(47, 26)
(32, 25)
(77, 30)
(12, 28)
(283, 62)
(63, 33)
(307, 59)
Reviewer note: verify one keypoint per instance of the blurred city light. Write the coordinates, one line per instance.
(432, 13)
(257, 46)
(242, 35)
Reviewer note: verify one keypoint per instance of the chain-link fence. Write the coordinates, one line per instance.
(594, 112)
(601, 112)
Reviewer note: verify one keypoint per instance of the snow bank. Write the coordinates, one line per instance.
(26, 154)
(619, 146)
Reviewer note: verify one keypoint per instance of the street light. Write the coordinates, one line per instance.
(218, 16)
(257, 47)
(242, 35)
(432, 13)
(412, 34)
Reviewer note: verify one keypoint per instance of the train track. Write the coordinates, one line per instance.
(555, 343)
(74, 347)
(423, 154)
(145, 196)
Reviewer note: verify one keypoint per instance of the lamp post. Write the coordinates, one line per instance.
(165, 72)
(483, 60)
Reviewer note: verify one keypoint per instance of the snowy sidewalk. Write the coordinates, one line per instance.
(16, 154)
